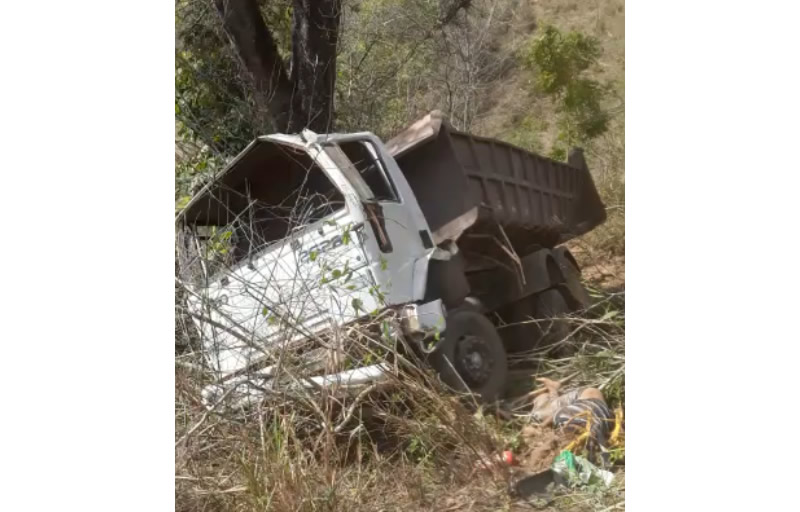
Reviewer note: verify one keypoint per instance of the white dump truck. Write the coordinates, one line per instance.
(453, 234)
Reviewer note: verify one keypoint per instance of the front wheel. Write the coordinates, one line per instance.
(472, 355)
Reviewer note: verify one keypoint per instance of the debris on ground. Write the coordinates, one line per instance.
(582, 412)
(492, 464)
(563, 424)
(573, 470)
(537, 484)
(566, 470)
(543, 444)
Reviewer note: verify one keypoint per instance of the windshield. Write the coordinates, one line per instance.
(360, 162)
(277, 191)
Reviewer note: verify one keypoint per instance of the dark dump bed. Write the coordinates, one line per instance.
(468, 183)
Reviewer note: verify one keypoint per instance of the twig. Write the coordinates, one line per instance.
(205, 416)
(614, 507)
(353, 406)
(238, 488)
(613, 376)
(509, 249)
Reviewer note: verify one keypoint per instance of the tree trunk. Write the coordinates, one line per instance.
(256, 47)
(304, 99)
(315, 33)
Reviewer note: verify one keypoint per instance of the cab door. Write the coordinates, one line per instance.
(398, 231)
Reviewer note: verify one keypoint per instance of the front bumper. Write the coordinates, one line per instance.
(418, 321)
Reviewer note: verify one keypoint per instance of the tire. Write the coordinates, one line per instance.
(574, 291)
(520, 334)
(552, 304)
(473, 348)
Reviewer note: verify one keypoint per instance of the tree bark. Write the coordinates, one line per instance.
(302, 97)
(256, 47)
(315, 34)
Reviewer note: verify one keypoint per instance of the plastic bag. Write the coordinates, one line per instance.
(575, 470)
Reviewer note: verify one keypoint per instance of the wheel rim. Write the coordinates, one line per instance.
(473, 361)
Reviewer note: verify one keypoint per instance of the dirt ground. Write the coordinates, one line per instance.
(544, 444)
(608, 275)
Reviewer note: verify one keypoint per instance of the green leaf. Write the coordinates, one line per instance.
(358, 305)
(609, 315)
(346, 235)
(376, 292)
(182, 202)
(336, 273)
(560, 62)
(313, 255)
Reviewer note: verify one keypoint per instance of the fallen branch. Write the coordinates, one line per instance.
(205, 416)
(352, 409)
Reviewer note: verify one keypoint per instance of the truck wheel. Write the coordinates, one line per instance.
(551, 304)
(473, 348)
(573, 289)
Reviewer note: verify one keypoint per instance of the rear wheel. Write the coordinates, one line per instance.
(551, 307)
(548, 308)
(573, 289)
(471, 355)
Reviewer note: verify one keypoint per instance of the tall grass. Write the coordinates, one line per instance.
(406, 444)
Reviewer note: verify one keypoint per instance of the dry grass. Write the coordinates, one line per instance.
(403, 446)
(408, 445)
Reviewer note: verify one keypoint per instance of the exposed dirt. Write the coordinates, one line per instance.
(544, 444)
(608, 275)
(598, 268)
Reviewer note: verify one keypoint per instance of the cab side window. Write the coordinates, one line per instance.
(364, 157)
